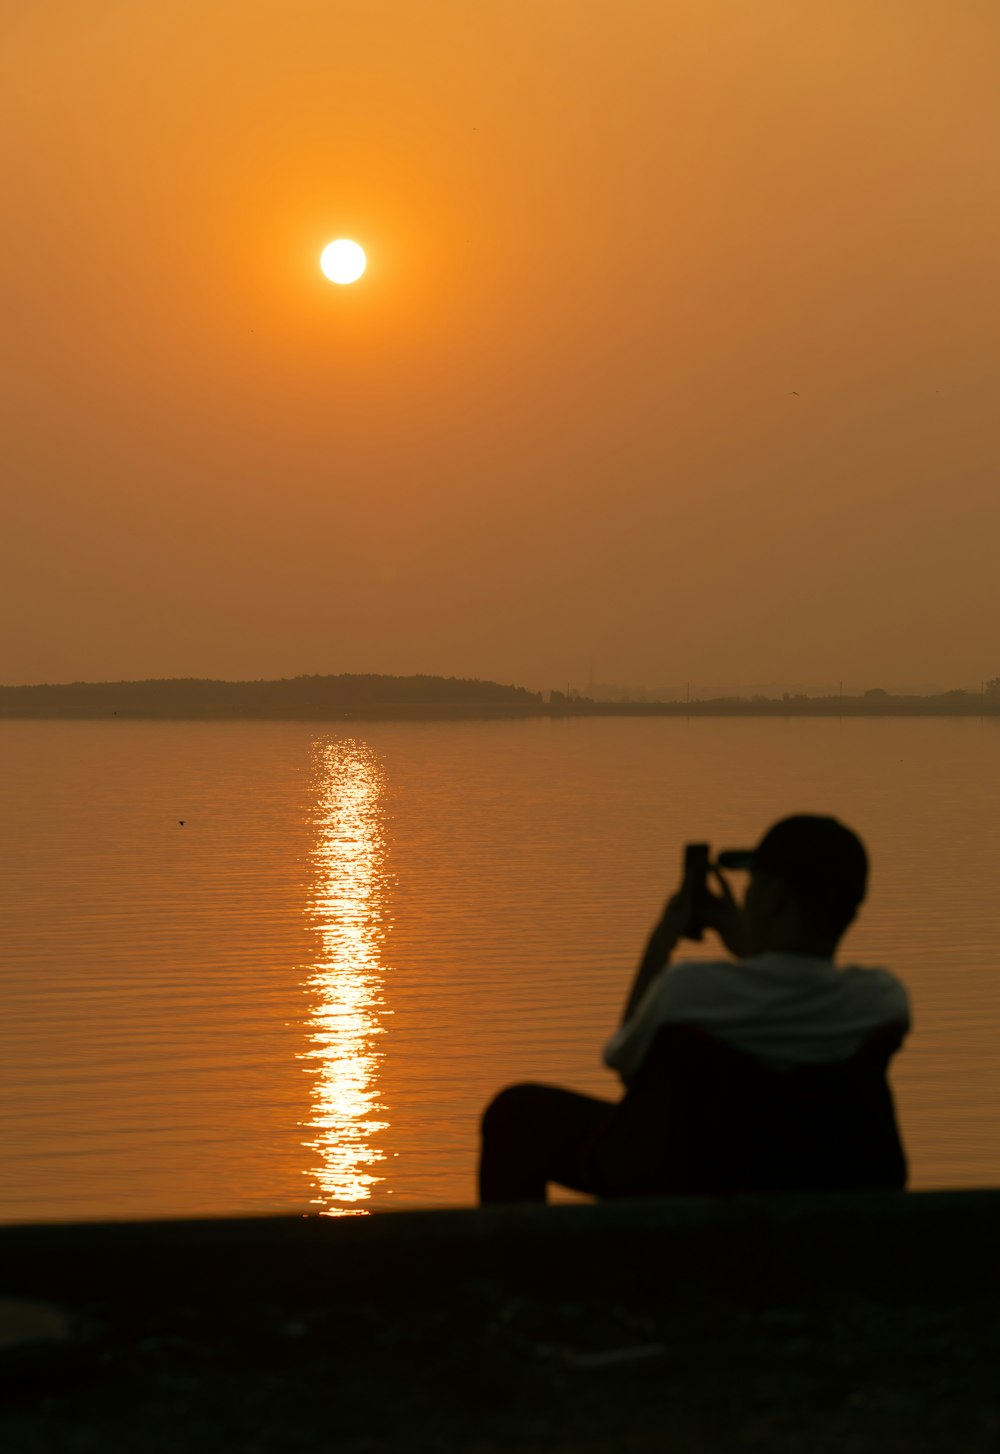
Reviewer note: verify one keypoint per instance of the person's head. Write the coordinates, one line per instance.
(808, 878)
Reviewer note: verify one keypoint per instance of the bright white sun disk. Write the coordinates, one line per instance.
(343, 261)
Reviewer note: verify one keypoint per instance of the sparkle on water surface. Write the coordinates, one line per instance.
(348, 913)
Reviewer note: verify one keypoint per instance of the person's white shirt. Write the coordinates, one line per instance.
(782, 1008)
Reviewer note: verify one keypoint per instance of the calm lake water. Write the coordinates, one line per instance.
(303, 997)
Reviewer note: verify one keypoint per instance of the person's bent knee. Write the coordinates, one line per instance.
(512, 1164)
(510, 1109)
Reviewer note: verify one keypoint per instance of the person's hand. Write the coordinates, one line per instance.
(675, 919)
(721, 912)
(717, 911)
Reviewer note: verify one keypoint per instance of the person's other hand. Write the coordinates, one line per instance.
(722, 913)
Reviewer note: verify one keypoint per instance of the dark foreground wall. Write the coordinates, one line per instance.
(830, 1323)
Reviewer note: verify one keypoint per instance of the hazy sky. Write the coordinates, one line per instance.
(607, 239)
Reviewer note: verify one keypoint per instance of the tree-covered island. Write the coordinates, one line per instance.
(354, 696)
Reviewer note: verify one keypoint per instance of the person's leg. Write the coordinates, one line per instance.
(534, 1134)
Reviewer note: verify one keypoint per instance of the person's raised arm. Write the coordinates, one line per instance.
(722, 913)
(673, 921)
(689, 904)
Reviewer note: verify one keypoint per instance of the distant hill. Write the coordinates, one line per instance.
(431, 698)
(306, 698)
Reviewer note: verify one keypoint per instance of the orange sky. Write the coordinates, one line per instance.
(606, 240)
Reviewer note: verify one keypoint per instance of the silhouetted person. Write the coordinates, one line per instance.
(765, 1071)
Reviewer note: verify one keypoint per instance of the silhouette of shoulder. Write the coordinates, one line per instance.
(780, 1008)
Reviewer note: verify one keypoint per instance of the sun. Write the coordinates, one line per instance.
(343, 261)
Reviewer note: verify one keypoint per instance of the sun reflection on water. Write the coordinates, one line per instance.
(349, 912)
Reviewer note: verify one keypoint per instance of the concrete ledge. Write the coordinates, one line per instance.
(925, 1245)
(835, 1322)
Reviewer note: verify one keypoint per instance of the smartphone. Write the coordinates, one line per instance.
(696, 857)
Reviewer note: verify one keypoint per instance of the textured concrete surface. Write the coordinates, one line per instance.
(832, 1323)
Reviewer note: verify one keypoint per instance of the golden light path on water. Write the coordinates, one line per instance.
(349, 912)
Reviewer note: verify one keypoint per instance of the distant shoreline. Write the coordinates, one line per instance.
(426, 698)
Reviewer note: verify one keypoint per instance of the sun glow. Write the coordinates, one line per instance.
(343, 261)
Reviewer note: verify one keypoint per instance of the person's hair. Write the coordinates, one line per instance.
(823, 863)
